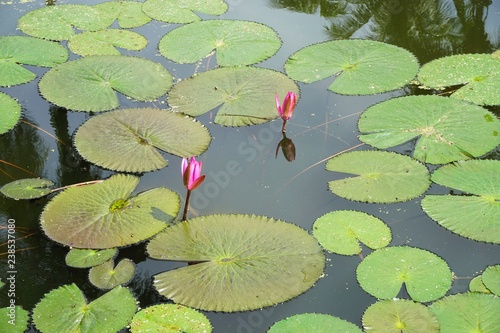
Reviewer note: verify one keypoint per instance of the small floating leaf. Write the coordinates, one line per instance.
(107, 276)
(65, 309)
(182, 11)
(29, 188)
(235, 42)
(361, 67)
(170, 318)
(245, 262)
(246, 95)
(447, 129)
(83, 258)
(476, 285)
(138, 134)
(14, 320)
(426, 276)
(128, 13)
(103, 42)
(313, 322)
(106, 215)
(89, 84)
(381, 177)
(341, 231)
(10, 113)
(491, 279)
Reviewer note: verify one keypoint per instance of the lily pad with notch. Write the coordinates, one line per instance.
(10, 113)
(19, 324)
(108, 276)
(29, 188)
(313, 322)
(476, 285)
(491, 279)
(182, 11)
(104, 42)
(128, 13)
(84, 258)
(242, 262)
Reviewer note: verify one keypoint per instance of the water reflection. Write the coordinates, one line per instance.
(287, 147)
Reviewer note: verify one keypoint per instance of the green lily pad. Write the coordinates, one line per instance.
(447, 130)
(182, 11)
(381, 177)
(107, 276)
(83, 258)
(361, 67)
(246, 95)
(106, 215)
(65, 309)
(10, 113)
(17, 50)
(170, 318)
(58, 22)
(30, 188)
(243, 262)
(103, 42)
(138, 134)
(399, 316)
(469, 312)
(476, 216)
(313, 322)
(476, 285)
(14, 320)
(479, 73)
(426, 276)
(89, 84)
(341, 231)
(235, 42)
(128, 13)
(491, 279)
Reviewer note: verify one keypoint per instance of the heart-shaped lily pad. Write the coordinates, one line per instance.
(243, 262)
(10, 113)
(138, 134)
(107, 276)
(491, 279)
(235, 42)
(479, 73)
(83, 258)
(182, 11)
(313, 322)
(341, 231)
(382, 177)
(103, 42)
(106, 215)
(361, 67)
(246, 95)
(89, 84)
(476, 216)
(65, 309)
(447, 129)
(29, 188)
(426, 276)
(128, 13)
(16, 322)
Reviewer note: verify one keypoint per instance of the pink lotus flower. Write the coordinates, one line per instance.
(286, 110)
(191, 171)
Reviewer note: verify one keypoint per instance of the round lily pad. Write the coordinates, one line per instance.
(128, 13)
(91, 83)
(447, 129)
(426, 276)
(242, 262)
(341, 231)
(361, 67)
(313, 322)
(107, 276)
(10, 113)
(65, 309)
(491, 279)
(246, 95)
(235, 42)
(138, 134)
(478, 73)
(29, 188)
(107, 215)
(170, 318)
(475, 216)
(182, 11)
(380, 176)
(83, 258)
(399, 316)
(104, 42)
(15, 320)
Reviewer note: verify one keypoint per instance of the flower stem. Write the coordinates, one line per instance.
(186, 206)
(283, 128)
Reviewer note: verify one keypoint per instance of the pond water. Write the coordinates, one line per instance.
(324, 124)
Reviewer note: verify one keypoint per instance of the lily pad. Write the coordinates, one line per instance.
(447, 129)
(170, 318)
(491, 279)
(107, 276)
(14, 320)
(65, 309)
(106, 215)
(17, 50)
(182, 11)
(399, 316)
(30, 188)
(361, 67)
(103, 42)
(128, 13)
(138, 134)
(313, 322)
(426, 276)
(341, 231)
(83, 258)
(475, 216)
(476, 285)
(235, 42)
(10, 113)
(469, 312)
(89, 84)
(243, 262)
(381, 177)
(478, 73)
(246, 95)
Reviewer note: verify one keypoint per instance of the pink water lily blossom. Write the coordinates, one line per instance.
(285, 110)
(191, 173)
